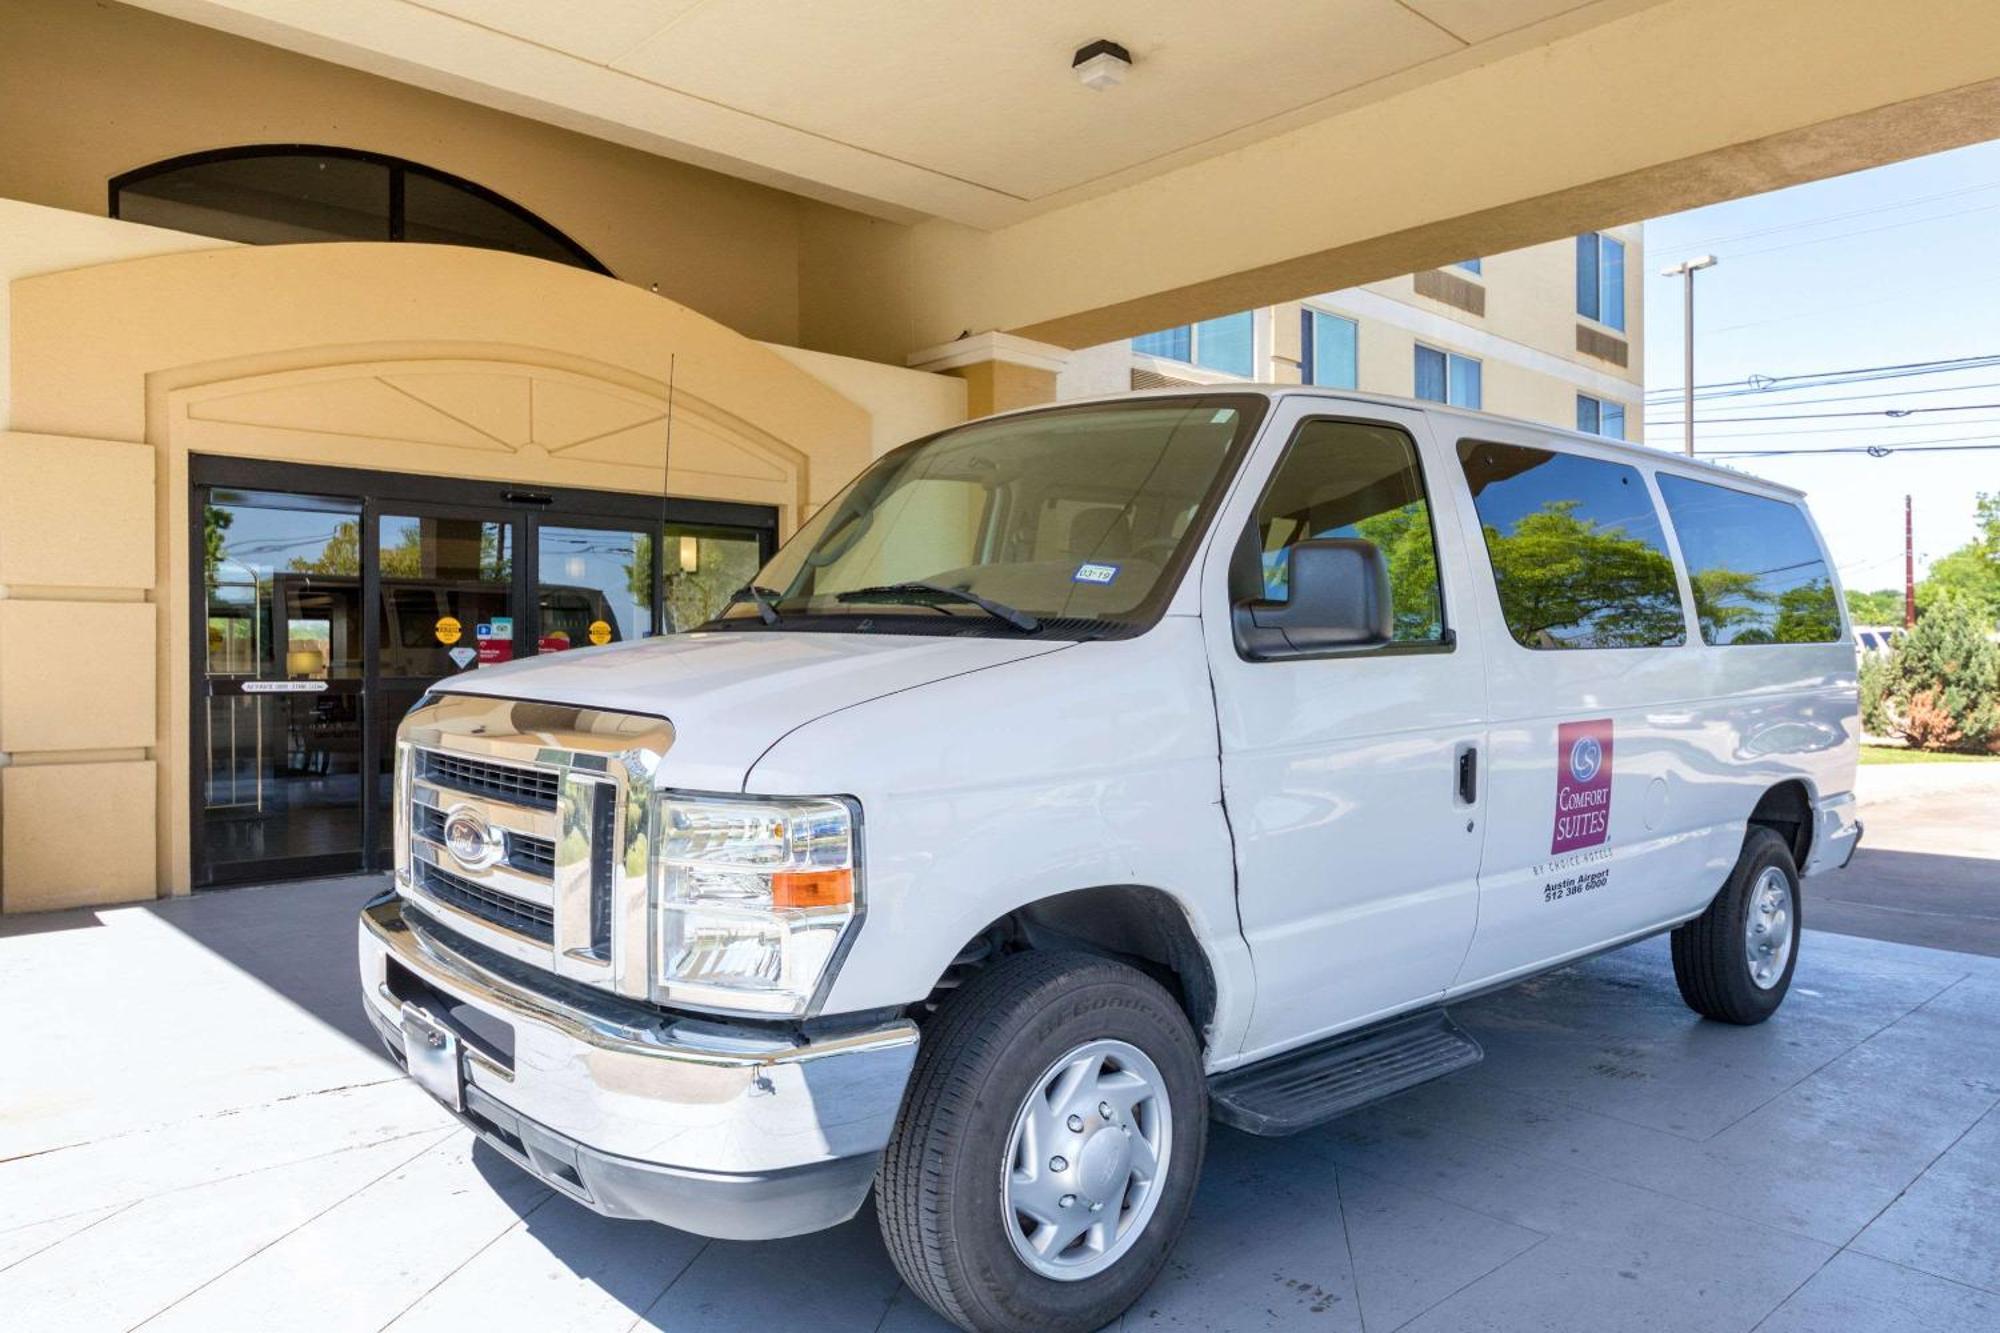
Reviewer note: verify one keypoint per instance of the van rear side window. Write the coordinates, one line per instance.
(1758, 574)
(1579, 557)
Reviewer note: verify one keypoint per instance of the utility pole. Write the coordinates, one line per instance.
(1686, 270)
(1909, 567)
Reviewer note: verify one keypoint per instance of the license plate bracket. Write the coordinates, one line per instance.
(433, 1055)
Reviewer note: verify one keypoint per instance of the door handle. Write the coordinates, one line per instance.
(1468, 773)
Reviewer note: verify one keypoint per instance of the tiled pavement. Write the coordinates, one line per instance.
(188, 1141)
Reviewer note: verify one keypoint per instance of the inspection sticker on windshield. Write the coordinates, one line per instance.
(1583, 785)
(1094, 574)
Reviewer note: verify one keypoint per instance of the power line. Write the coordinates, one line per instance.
(1766, 384)
(1881, 394)
(1872, 450)
(1865, 231)
(1896, 412)
(1845, 430)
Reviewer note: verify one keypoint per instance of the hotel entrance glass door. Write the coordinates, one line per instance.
(330, 600)
(279, 685)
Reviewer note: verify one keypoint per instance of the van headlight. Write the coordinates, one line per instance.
(751, 899)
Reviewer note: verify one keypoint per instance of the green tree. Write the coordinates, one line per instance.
(404, 557)
(1807, 613)
(1972, 572)
(1404, 536)
(1875, 718)
(340, 555)
(1882, 607)
(1563, 579)
(1726, 603)
(215, 524)
(1947, 673)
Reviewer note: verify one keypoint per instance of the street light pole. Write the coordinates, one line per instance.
(1686, 270)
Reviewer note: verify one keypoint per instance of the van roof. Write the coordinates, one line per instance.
(1637, 453)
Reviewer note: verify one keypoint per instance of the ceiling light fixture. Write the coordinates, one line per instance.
(1101, 65)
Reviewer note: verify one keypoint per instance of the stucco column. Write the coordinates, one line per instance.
(1001, 372)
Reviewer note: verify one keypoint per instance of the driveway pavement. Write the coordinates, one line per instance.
(1926, 872)
(196, 1132)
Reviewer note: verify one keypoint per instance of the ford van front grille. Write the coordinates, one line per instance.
(526, 827)
(502, 909)
(534, 788)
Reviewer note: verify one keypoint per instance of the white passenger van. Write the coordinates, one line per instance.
(1083, 774)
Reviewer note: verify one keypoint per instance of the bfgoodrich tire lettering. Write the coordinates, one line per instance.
(943, 1179)
(1713, 954)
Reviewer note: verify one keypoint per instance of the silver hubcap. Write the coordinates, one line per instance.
(1085, 1160)
(1767, 929)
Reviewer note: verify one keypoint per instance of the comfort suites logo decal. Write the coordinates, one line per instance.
(1583, 785)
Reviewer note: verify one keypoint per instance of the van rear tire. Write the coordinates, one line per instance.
(1734, 962)
(961, 1182)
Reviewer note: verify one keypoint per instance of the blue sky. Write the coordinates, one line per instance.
(1894, 265)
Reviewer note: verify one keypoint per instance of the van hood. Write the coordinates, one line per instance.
(732, 694)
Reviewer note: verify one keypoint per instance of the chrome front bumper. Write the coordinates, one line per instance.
(727, 1130)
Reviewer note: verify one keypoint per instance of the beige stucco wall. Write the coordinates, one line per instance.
(902, 404)
(439, 360)
(35, 239)
(88, 91)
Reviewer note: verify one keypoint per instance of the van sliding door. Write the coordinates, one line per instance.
(1353, 779)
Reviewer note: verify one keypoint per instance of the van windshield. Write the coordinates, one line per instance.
(1079, 518)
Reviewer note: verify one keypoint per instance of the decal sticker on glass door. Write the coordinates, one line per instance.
(1583, 785)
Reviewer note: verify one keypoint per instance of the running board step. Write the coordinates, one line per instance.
(1307, 1087)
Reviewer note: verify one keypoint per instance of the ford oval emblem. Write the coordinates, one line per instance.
(471, 841)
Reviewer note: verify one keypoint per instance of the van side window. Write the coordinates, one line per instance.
(1578, 553)
(1758, 574)
(1355, 479)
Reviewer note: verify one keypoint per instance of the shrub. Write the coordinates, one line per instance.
(1875, 718)
(1946, 679)
(1927, 726)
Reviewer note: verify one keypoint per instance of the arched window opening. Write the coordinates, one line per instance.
(284, 193)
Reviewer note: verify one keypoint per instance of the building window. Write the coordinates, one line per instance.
(1228, 344)
(1758, 574)
(1578, 552)
(1447, 377)
(290, 193)
(1600, 279)
(1600, 416)
(1355, 479)
(1327, 355)
(1469, 265)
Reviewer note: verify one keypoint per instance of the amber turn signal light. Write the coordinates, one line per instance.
(812, 888)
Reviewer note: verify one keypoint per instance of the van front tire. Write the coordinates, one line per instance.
(1734, 962)
(998, 1097)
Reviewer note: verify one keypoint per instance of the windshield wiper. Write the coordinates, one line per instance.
(919, 590)
(765, 598)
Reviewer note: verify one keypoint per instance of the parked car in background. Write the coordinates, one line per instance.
(1081, 775)
(1877, 640)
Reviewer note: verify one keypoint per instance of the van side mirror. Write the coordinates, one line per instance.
(1338, 598)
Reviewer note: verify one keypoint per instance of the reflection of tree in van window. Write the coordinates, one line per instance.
(1564, 583)
(1355, 479)
(1404, 535)
(1734, 607)
(1758, 574)
(1578, 554)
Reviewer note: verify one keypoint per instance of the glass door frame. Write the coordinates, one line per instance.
(523, 508)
